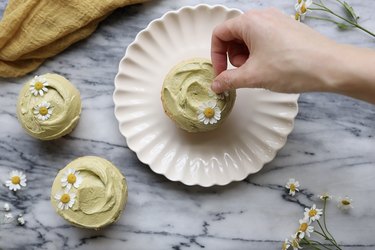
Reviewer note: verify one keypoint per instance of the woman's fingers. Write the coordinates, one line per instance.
(222, 36)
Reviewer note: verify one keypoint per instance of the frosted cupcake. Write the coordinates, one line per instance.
(89, 192)
(48, 107)
(188, 99)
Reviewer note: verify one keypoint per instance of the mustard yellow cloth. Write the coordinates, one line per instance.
(34, 30)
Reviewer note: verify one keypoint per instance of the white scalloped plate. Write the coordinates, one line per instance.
(250, 137)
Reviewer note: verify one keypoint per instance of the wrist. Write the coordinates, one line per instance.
(353, 72)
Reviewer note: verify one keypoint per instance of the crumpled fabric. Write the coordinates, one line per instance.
(33, 30)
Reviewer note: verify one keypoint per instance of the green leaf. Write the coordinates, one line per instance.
(350, 11)
(343, 26)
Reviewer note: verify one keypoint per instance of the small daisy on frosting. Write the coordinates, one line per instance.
(345, 203)
(17, 179)
(209, 113)
(66, 200)
(313, 213)
(38, 86)
(43, 111)
(223, 95)
(71, 178)
(293, 186)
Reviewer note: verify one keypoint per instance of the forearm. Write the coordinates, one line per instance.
(355, 73)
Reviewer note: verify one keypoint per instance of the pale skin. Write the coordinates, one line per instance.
(275, 52)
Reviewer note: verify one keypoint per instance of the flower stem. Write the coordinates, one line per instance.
(324, 19)
(321, 244)
(324, 217)
(321, 234)
(309, 243)
(326, 9)
(326, 236)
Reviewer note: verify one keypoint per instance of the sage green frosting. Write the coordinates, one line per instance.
(186, 87)
(101, 196)
(65, 102)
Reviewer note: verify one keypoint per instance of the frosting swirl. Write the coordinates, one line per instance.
(186, 87)
(100, 197)
(65, 107)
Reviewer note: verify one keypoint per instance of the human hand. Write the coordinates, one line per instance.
(272, 51)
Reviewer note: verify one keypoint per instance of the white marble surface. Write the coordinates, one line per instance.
(331, 149)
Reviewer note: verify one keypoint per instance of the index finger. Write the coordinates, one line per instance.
(224, 33)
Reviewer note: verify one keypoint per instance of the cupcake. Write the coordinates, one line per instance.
(90, 192)
(48, 107)
(188, 99)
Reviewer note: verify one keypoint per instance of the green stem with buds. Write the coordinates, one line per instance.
(328, 10)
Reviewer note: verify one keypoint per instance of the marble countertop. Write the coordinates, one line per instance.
(331, 149)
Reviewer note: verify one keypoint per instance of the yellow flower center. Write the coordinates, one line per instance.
(209, 112)
(72, 178)
(303, 8)
(16, 180)
(303, 227)
(296, 16)
(345, 202)
(43, 110)
(38, 85)
(284, 246)
(65, 198)
(312, 212)
(292, 187)
(295, 244)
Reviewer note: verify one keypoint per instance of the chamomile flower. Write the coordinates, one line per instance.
(295, 242)
(293, 186)
(17, 179)
(38, 86)
(6, 207)
(71, 178)
(223, 95)
(313, 213)
(304, 228)
(43, 111)
(21, 220)
(66, 200)
(301, 8)
(285, 245)
(345, 203)
(209, 113)
(325, 196)
(8, 217)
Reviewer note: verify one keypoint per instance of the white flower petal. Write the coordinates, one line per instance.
(58, 196)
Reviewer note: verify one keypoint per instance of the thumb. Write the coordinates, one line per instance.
(230, 79)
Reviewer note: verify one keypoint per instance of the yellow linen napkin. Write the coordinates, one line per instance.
(33, 30)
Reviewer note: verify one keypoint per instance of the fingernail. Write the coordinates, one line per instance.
(215, 86)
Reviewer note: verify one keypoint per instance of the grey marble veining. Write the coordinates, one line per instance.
(331, 149)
